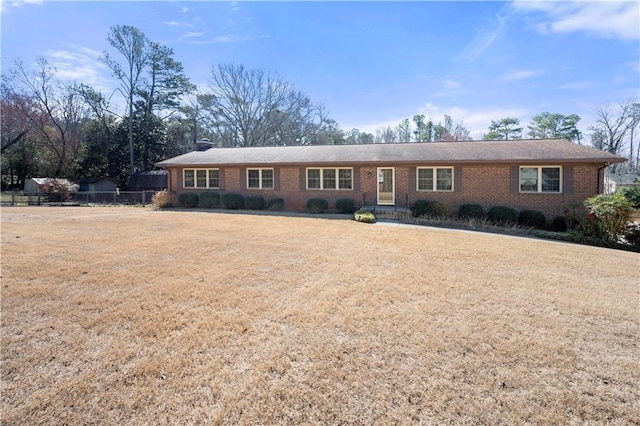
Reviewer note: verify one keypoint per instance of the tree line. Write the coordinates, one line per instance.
(58, 128)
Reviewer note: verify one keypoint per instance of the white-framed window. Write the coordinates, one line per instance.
(434, 179)
(330, 178)
(541, 179)
(201, 178)
(260, 178)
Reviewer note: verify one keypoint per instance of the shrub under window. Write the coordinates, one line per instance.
(468, 211)
(188, 199)
(254, 203)
(232, 201)
(531, 218)
(209, 200)
(502, 215)
(346, 205)
(317, 205)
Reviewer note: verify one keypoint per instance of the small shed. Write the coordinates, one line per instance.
(148, 180)
(33, 186)
(88, 184)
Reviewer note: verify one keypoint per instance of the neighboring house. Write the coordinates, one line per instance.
(32, 186)
(98, 185)
(545, 175)
(148, 180)
(615, 181)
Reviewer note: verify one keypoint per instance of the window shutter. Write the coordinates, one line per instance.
(221, 178)
(243, 178)
(276, 179)
(457, 179)
(515, 179)
(567, 179)
(356, 178)
(412, 179)
(303, 179)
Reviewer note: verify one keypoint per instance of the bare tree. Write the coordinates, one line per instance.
(614, 125)
(54, 108)
(386, 135)
(404, 131)
(254, 107)
(15, 123)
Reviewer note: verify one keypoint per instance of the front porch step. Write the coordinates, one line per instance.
(393, 213)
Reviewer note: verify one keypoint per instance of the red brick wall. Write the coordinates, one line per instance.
(487, 185)
(490, 185)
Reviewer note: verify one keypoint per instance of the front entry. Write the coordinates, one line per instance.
(386, 186)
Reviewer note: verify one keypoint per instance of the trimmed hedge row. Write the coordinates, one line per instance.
(496, 214)
(227, 200)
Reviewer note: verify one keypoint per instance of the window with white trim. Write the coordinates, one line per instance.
(260, 178)
(435, 179)
(330, 178)
(201, 178)
(540, 179)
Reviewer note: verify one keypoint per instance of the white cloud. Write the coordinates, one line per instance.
(187, 9)
(177, 24)
(578, 85)
(192, 34)
(484, 39)
(516, 74)
(232, 38)
(452, 84)
(601, 19)
(19, 3)
(82, 65)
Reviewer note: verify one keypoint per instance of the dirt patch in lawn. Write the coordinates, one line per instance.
(123, 315)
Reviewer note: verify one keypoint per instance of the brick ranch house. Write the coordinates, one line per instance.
(545, 175)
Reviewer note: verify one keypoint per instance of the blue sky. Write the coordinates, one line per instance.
(370, 63)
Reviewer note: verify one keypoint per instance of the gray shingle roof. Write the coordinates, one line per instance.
(528, 150)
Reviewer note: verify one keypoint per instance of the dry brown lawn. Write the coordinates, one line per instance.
(124, 315)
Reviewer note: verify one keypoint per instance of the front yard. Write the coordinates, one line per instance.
(125, 315)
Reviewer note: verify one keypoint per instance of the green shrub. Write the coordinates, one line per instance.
(432, 208)
(532, 219)
(502, 215)
(421, 207)
(631, 193)
(232, 201)
(317, 205)
(209, 200)
(163, 199)
(559, 224)
(440, 209)
(611, 212)
(276, 204)
(346, 205)
(632, 234)
(364, 216)
(188, 199)
(471, 211)
(255, 202)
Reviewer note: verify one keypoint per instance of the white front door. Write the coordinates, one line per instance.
(386, 186)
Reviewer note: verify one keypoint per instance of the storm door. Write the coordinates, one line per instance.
(386, 186)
